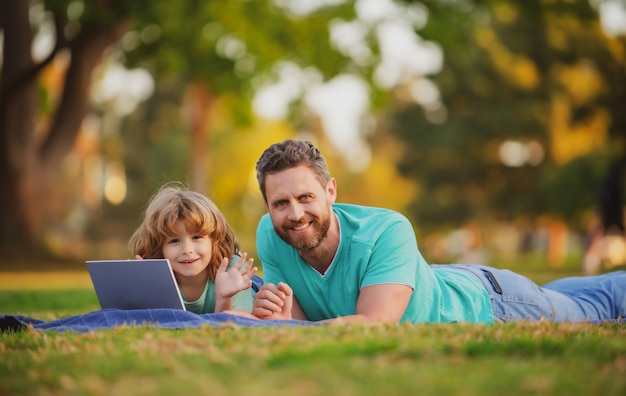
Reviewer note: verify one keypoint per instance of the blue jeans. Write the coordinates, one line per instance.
(573, 299)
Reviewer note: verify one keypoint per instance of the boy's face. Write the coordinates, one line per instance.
(188, 253)
(300, 207)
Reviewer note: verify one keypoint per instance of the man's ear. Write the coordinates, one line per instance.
(331, 190)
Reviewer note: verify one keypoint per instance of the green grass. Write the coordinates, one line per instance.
(502, 359)
(512, 359)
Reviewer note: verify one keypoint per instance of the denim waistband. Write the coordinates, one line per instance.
(480, 272)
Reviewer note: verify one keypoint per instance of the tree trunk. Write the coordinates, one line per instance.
(18, 224)
(29, 168)
(199, 108)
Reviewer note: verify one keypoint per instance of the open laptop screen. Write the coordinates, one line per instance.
(135, 284)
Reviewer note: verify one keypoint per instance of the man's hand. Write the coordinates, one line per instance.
(273, 302)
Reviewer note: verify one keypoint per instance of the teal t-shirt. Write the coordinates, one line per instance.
(377, 246)
(206, 302)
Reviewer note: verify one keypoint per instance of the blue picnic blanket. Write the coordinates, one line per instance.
(162, 318)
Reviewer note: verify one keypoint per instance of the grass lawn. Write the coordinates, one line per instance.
(503, 359)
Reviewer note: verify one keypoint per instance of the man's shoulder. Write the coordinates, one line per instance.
(362, 213)
(265, 219)
(265, 224)
(368, 223)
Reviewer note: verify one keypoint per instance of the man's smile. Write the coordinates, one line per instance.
(301, 227)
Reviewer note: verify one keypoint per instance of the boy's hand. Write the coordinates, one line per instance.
(235, 279)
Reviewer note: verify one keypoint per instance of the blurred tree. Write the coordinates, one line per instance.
(530, 112)
(226, 48)
(531, 77)
(212, 48)
(32, 149)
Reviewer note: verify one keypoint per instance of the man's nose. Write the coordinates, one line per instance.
(296, 212)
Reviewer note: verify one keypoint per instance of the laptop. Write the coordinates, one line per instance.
(135, 284)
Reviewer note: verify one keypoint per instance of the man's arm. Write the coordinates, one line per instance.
(383, 303)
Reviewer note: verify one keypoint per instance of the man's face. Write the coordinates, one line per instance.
(300, 207)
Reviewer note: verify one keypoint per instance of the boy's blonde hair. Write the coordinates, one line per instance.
(173, 203)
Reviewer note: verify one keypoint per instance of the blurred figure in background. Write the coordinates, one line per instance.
(607, 244)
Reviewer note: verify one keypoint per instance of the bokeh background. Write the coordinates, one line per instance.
(496, 126)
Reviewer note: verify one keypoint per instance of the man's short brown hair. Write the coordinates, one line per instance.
(290, 154)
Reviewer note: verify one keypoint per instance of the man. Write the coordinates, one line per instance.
(326, 261)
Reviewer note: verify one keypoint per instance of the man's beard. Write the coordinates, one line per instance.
(312, 239)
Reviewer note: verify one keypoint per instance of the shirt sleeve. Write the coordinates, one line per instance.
(394, 256)
(243, 300)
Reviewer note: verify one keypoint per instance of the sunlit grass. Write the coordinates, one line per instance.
(521, 358)
(456, 359)
(48, 280)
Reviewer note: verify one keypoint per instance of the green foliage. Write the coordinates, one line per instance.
(507, 65)
(227, 44)
(513, 70)
(577, 184)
